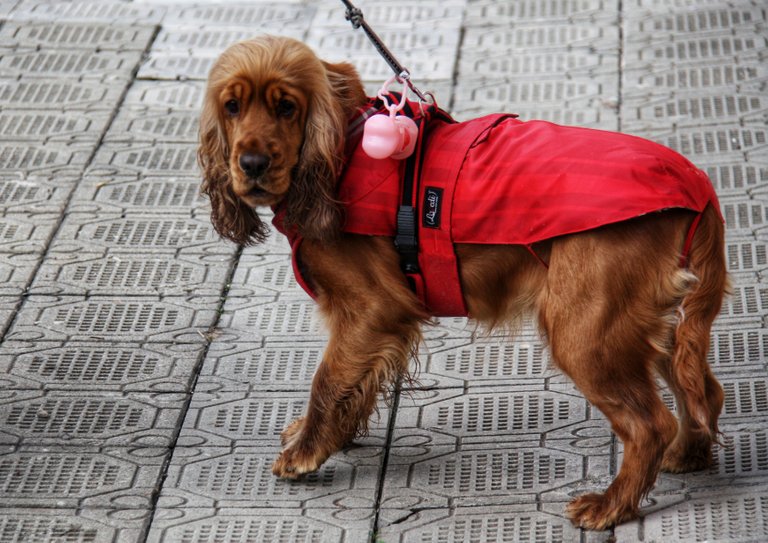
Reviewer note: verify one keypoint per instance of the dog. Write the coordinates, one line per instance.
(616, 303)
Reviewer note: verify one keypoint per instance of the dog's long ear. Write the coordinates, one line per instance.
(230, 217)
(346, 85)
(312, 206)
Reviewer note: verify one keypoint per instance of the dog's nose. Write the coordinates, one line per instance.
(254, 164)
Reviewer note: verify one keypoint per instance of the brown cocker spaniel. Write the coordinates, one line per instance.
(614, 303)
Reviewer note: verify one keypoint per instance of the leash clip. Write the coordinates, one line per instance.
(355, 16)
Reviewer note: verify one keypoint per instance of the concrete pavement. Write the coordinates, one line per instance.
(147, 367)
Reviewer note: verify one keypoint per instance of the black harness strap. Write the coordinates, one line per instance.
(406, 238)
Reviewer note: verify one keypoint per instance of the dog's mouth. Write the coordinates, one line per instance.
(257, 192)
(257, 196)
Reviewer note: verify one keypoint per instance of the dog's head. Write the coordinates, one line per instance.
(272, 132)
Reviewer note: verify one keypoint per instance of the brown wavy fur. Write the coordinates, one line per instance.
(614, 304)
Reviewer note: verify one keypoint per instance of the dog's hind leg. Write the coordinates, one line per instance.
(602, 314)
(698, 394)
(617, 380)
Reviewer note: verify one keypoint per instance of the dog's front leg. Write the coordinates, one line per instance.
(374, 323)
(343, 397)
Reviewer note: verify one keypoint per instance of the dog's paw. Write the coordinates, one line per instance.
(596, 512)
(292, 463)
(693, 458)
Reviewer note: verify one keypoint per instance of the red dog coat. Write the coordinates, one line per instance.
(498, 180)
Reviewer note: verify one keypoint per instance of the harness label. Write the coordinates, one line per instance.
(433, 203)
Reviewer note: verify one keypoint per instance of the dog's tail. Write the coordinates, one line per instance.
(703, 395)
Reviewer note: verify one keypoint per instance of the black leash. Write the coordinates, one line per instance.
(355, 16)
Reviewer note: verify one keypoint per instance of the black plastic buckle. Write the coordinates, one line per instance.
(405, 240)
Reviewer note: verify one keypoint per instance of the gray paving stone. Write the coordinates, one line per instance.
(715, 107)
(109, 11)
(462, 448)
(264, 525)
(496, 473)
(16, 272)
(746, 397)
(483, 12)
(155, 125)
(33, 196)
(417, 39)
(251, 320)
(736, 514)
(166, 274)
(480, 415)
(99, 367)
(214, 39)
(746, 303)
(744, 460)
(247, 14)
(170, 95)
(9, 306)
(26, 233)
(265, 275)
(80, 477)
(94, 65)
(21, 525)
(64, 419)
(736, 347)
(146, 159)
(578, 102)
(146, 195)
(591, 113)
(746, 256)
(476, 524)
(662, 5)
(176, 66)
(487, 361)
(222, 419)
(145, 233)
(741, 16)
(237, 366)
(68, 94)
(430, 51)
(53, 127)
(107, 318)
(739, 75)
(36, 161)
(714, 143)
(553, 36)
(250, 419)
(523, 92)
(562, 65)
(89, 36)
(744, 216)
(242, 477)
(394, 13)
(733, 178)
(696, 47)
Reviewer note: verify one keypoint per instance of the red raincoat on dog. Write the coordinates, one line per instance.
(498, 180)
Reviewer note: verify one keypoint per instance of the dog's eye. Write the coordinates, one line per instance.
(232, 107)
(285, 108)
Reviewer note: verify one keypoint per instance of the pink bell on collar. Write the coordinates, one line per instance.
(389, 136)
